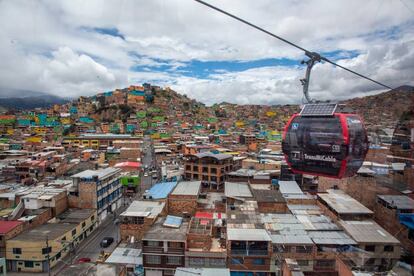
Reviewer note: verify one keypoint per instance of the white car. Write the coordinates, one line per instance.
(145, 174)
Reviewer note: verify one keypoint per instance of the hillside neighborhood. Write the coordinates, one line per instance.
(144, 180)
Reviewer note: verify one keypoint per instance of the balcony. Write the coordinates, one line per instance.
(152, 249)
(252, 252)
(160, 249)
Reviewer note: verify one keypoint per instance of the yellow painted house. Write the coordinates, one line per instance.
(28, 252)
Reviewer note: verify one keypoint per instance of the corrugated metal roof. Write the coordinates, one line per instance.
(189, 271)
(248, 235)
(140, 208)
(232, 189)
(102, 173)
(161, 190)
(398, 201)
(125, 256)
(343, 203)
(289, 187)
(187, 188)
(330, 237)
(367, 232)
(291, 239)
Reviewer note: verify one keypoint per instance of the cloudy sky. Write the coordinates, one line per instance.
(72, 48)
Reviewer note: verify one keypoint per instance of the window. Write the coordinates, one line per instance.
(64, 238)
(197, 262)
(153, 243)
(153, 259)
(173, 260)
(370, 248)
(303, 249)
(218, 262)
(58, 256)
(138, 220)
(17, 251)
(370, 261)
(175, 244)
(83, 224)
(303, 262)
(258, 261)
(388, 248)
(237, 261)
(92, 218)
(325, 263)
(46, 250)
(73, 232)
(28, 264)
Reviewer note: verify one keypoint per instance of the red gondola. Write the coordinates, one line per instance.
(330, 144)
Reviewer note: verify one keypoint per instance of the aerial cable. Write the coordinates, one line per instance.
(314, 57)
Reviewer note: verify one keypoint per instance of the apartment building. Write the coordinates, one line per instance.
(382, 250)
(42, 247)
(205, 247)
(396, 214)
(338, 205)
(163, 246)
(183, 199)
(97, 189)
(249, 250)
(208, 168)
(139, 217)
(8, 230)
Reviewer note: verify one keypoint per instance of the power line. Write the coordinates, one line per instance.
(307, 52)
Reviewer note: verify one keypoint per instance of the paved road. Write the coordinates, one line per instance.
(149, 162)
(90, 247)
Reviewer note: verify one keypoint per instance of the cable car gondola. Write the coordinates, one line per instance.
(322, 141)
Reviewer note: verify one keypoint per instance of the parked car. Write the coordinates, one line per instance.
(83, 260)
(107, 241)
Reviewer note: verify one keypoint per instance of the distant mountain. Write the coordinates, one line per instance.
(27, 99)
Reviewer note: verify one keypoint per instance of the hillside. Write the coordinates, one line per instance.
(384, 109)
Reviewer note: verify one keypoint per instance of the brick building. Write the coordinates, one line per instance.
(97, 189)
(209, 168)
(183, 199)
(139, 217)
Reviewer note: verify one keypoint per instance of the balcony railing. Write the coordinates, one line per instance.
(252, 252)
(152, 249)
(170, 250)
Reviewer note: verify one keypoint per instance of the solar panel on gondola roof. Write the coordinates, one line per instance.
(318, 110)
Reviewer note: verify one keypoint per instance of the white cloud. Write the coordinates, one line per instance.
(48, 45)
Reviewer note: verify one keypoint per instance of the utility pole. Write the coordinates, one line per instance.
(48, 256)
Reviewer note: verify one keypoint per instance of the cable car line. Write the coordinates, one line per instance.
(307, 52)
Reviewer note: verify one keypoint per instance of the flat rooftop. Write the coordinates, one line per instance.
(289, 187)
(161, 190)
(343, 203)
(271, 196)
(189, 271)
(236, 190)
(191, 188)
(331, 238)
(399, 202)
(158, 232)
(247, 235)
(75, 215)
(138, 208)
(51, 231)
(125, 255)
(101, 174)
(368, 231)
